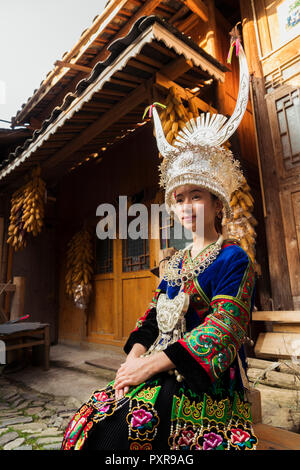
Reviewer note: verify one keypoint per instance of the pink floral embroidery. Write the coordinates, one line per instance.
(186, 438)
(104, 408)
(101, 396)
(211, 441)
(238, 436)
(140, 417)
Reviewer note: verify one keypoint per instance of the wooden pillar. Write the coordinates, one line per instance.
(18, 300)
(211, 35)
(8, 278)
(277, 256)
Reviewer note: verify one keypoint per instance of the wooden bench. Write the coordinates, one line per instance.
(27, 335)
(272, 438)
(283, 341)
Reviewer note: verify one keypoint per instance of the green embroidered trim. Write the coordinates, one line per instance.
(201, 291)
(241, 291)
(148, 395)
(140, 389)
(187, 411)
(241, 333)
(234, 299)
(203, 410)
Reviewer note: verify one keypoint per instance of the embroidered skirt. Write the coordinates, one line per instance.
(163, 414)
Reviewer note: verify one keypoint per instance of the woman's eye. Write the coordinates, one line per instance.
(197, 196)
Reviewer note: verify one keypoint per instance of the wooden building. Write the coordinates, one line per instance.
(92, 146)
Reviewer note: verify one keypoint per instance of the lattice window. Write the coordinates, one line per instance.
(104, 256)
(288, 117)
(167, 234)
(135, 254)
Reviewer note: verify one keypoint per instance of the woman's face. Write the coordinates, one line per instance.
(194, 203)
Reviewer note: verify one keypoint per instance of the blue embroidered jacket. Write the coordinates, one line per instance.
(221, 301)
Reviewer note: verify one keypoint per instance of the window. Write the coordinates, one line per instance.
(104, 256)
(288, 117)
(135, 254)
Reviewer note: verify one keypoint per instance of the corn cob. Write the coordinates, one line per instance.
(27, 211)
(79, 268)
(242, 227)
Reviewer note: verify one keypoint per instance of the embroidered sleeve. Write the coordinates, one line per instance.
(214, 344)
(146, 329)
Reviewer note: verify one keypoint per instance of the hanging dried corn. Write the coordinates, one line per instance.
(27, 211)
(78, 280)
(242, 226)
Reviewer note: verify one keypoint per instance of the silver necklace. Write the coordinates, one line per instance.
(176, 276)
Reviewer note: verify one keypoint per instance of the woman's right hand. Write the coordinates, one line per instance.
(136, 351)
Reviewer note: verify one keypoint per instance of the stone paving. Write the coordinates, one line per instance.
(30, 420)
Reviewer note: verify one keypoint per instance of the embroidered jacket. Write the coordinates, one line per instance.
(221, 302)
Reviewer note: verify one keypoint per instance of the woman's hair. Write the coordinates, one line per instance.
(218, 222)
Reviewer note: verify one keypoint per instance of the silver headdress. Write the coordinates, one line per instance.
(197, 156)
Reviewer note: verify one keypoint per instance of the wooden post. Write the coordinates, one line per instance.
(18, 300)
(8, 278)
(46, 347)
(277, 256)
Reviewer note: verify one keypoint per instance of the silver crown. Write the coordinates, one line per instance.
(198, 157)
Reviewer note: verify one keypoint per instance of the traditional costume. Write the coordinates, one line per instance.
(198, 317)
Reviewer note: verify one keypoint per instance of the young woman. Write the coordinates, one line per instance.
(183, 384)
(202, 405)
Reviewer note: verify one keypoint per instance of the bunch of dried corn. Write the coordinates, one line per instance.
(242, 226)
(27, 211)
(79, 264)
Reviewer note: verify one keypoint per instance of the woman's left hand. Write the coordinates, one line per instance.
(133, 372)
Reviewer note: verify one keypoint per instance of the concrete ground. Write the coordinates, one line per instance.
(69, 374)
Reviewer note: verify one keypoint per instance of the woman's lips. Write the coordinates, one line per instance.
(189, 218)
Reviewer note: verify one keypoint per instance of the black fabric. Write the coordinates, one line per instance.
(194, 374)
(111, 433)
(146, 334)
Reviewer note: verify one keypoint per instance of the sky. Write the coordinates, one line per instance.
(33, 35)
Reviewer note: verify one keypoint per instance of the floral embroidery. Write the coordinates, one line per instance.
(212, 441)
(241, 439)
(76, 426)
(142, 422)
(104, 402)
(186, 439)
(140, 418)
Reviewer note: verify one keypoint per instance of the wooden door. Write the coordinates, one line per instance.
(284, 113)
(123, 288)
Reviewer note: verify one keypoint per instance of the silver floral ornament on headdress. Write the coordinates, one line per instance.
(197, 156)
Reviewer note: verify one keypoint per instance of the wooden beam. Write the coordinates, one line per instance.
(110, 117)
(165, 82)
(198, 7)
(280, 316)
(277, 345)
(82, 68)
(176, 68)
